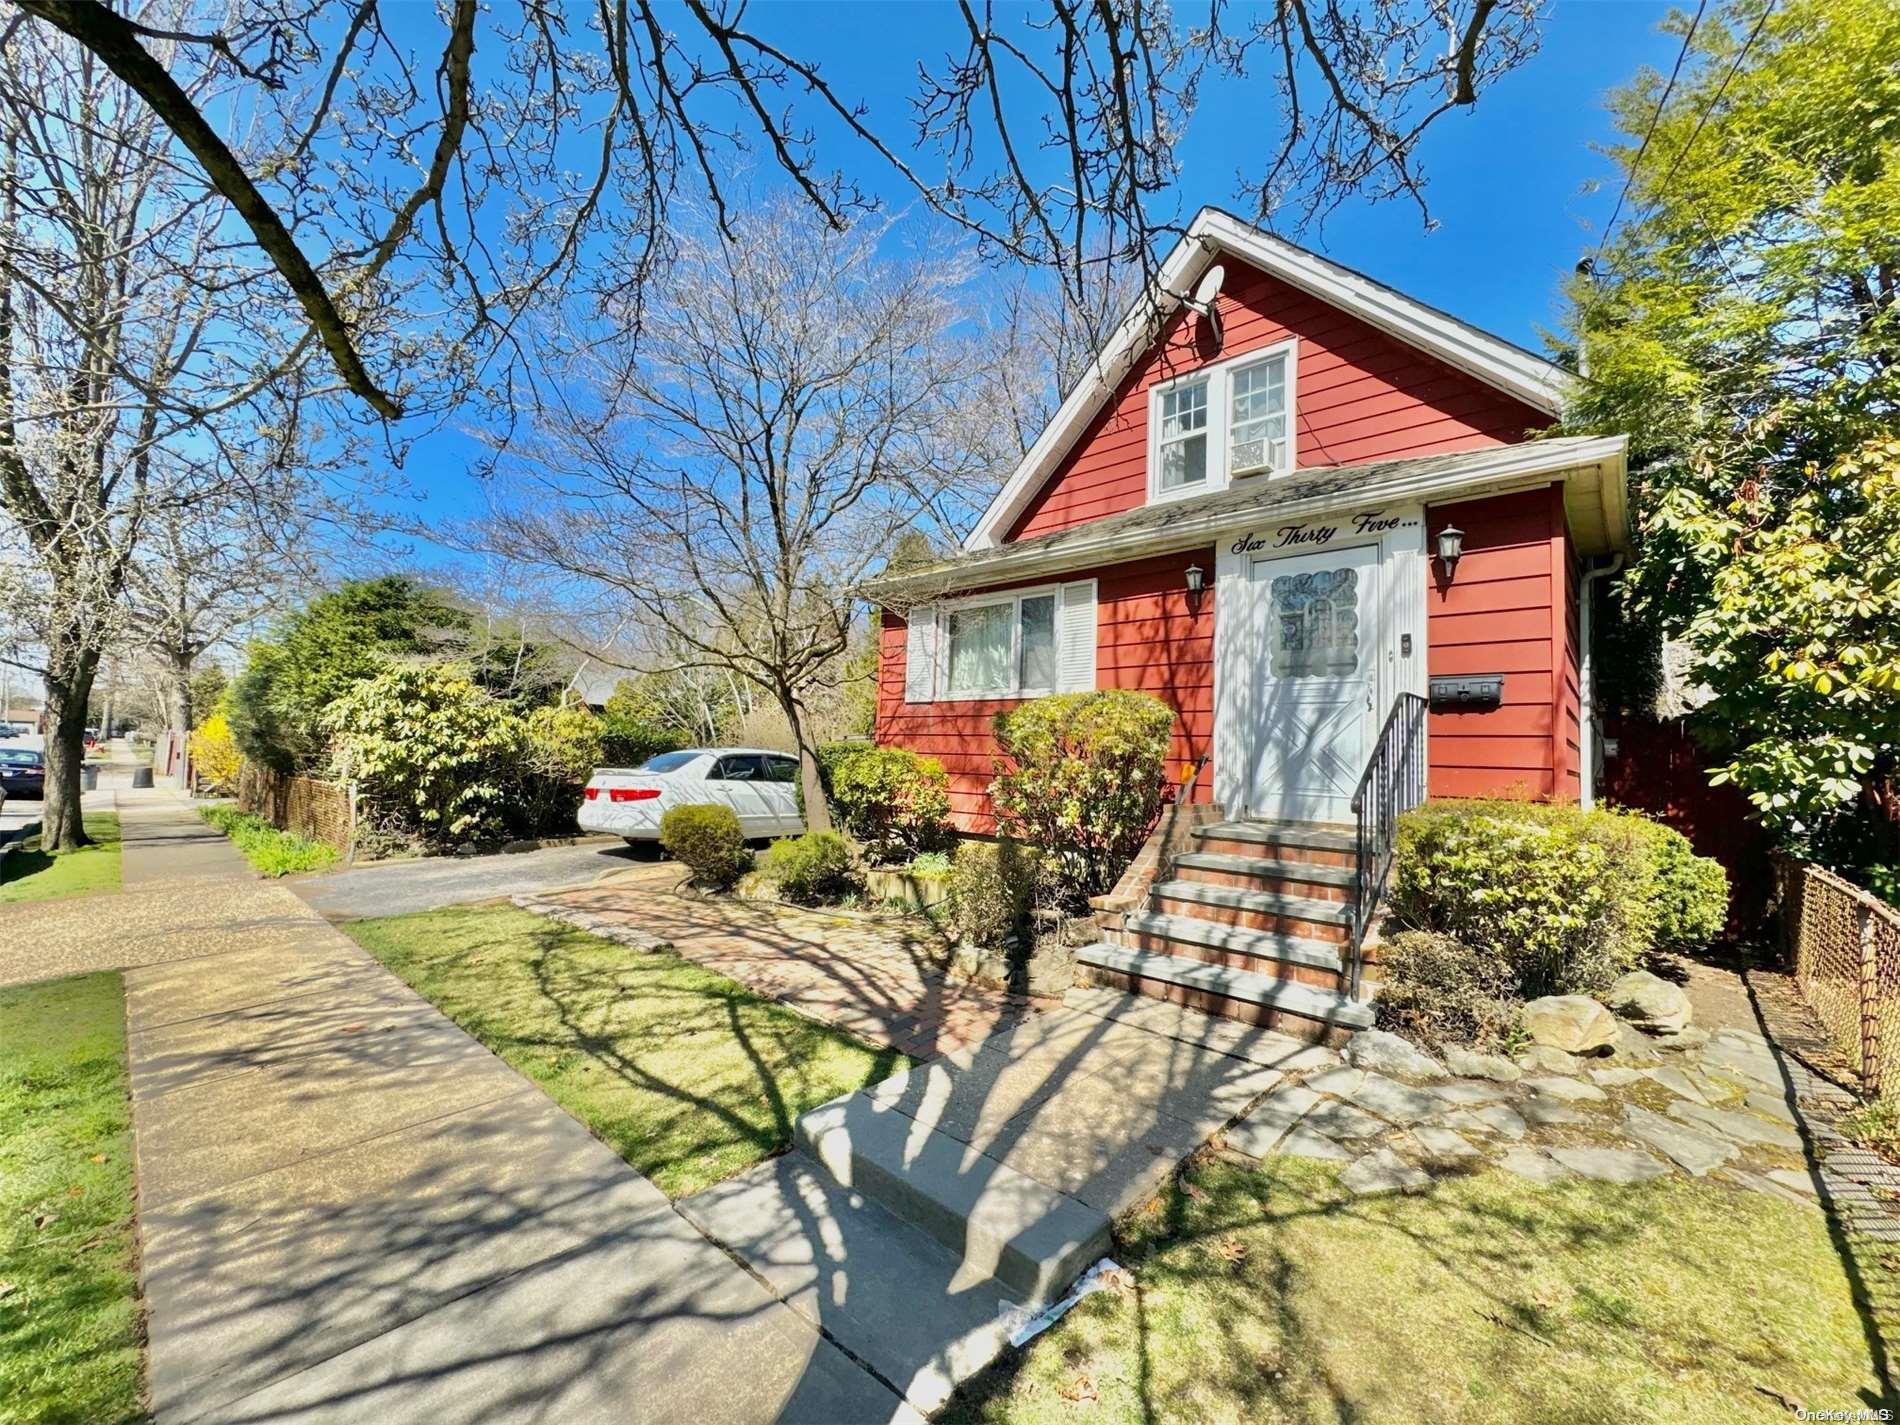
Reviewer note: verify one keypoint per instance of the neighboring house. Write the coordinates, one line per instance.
(1243, 515)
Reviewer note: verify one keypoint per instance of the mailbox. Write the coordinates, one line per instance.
(1483, 691)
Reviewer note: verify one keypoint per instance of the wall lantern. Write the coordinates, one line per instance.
(1451, 547)
(1196, 581)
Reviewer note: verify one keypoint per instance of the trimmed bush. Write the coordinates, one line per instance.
(812, 869)
(1567, 899)
(1080, 776)
(893, 801)
(708, 840)
(992, 887)
(563, 748)
(1691, 895)
(1436, 991)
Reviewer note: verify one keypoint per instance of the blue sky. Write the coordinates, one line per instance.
(1510, 184)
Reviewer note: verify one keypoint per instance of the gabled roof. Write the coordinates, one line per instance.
(1524, 375)
(1591, 469)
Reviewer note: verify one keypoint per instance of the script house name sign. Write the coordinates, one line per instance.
(1309, 534)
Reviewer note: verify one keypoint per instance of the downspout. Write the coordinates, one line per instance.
(1587, 738)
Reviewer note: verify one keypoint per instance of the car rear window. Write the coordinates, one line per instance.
(669, 761)
(19, 755)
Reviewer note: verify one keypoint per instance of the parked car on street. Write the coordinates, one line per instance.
(761, 786)
(22, 772)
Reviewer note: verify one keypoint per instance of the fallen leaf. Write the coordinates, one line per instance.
(1195, 1192)
(1231, 1249)
(7, 1289)
(1080, 1391)
(44, 1220)
(98, 1157)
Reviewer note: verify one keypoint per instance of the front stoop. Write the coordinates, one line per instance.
(1252, 924)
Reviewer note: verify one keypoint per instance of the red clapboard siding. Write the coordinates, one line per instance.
(1510, 608)
(1358, 395)
(1146, 637)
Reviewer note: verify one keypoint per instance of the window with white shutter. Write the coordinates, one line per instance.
(1075, 638)
(920, 655)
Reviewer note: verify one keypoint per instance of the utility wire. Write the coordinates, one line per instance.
(1654, 118)
(1721, 89)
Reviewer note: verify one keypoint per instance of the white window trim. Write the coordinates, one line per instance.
(1220, 420)
(1014, 598)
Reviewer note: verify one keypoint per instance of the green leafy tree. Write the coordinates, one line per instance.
(1742, 327)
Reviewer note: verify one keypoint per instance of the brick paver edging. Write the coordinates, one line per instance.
(593, 924)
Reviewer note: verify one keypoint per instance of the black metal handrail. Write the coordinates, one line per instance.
(1394, 782)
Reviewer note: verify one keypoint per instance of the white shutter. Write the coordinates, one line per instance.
(920, 655)
(1075, 638)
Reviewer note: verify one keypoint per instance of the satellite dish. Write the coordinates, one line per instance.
(1211, 337)
(1208, 288)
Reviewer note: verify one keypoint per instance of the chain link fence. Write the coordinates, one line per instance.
(1844, 945)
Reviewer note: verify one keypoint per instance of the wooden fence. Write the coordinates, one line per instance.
(1844, 945)
(322, 811)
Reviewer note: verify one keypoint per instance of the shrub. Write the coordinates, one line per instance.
(563, 748)
(892, 800)
(813, 868)
(931, 864)
(1437, 991)
(629, 742)
(707, 840)
(1691, 895)
(1565, 898)
(429, 751)
(992, 888)
(1080, 775)
(214, 753)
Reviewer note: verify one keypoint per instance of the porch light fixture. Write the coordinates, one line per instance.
(1196, 581)
(1451, 547)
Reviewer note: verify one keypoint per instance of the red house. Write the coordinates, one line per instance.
(1317, 518)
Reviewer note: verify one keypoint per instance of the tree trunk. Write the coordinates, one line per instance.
(68, 691)
(181, 709)
(817, 809)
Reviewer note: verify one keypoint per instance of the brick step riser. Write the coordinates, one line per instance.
(1242, 918)
(1278, 882)
(1281, 1021)
(1276, 851)
(1316, 975)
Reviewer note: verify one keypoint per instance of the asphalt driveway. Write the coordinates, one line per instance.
(403, 887)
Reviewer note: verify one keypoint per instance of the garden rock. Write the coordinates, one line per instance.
(1493, 1120)
(1380, 1052)
(1797, 1182)
(1634, 1046)
(1720, 1088)
(1442, 1148)
(1651, 1001)
(1617, 1077)
(1751, 1061)
(1575, 1024)
(1569, 1090)
(1772, 1103)
(1694, 1037)
(1694, 1152)
(1277, 1113)
(1383, 1172)
(1534, 1165)
(1541, 1058)
(1304, 1143)
(1544, 1112)
(1742, 1127)
(1342, 1120)
(1472, 1064)
(1612, 1165)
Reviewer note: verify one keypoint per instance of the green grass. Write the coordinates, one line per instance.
(30, 874)
(70, 1332)
(689, 1076)
(1268, 1295)
(271, 852)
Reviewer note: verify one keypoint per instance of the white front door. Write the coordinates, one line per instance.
(1313, 676)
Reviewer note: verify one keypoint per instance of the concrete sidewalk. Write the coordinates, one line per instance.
(163, 839)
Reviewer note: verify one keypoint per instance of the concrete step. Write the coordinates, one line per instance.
(877, 1285)
(1266, 995)
(1255, 910)
(1274, 946)
(1266, 873)
(1286, 840)
(1032, 1238)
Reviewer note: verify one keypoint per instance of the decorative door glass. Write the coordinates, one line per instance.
(1314, 624)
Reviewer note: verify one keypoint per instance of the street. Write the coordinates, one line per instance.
(19, 812)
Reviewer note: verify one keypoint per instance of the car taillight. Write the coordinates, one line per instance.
(633, 794)
(593, 794)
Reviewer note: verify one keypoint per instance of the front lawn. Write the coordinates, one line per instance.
(689, 1076)
(271, 852)
(70, 1331)
(30, 874)
(1269, 1295)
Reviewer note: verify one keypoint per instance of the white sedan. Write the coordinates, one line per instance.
(761, 786)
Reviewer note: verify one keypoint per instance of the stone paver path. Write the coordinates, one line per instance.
(881, 978)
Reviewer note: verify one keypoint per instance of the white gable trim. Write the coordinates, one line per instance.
(1529, 378)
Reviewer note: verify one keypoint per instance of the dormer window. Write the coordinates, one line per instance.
(1221, 423)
